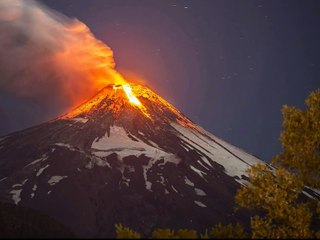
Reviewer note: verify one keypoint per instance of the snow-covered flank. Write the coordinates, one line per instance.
(200, 204)
(43, 158)
(79, 119)
(234, 160)
(118, 142)
(55, 179)
(250, 159)
(16, 196)
(42, 169)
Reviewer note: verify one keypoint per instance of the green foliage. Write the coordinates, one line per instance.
(125, 232)
(275, 194)
(229, 231)
(301, 141)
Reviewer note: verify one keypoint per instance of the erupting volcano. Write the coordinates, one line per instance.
(125, 156)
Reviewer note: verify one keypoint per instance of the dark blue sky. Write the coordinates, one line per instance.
(227, 65)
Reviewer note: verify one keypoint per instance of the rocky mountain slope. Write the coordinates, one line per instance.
(117, 160)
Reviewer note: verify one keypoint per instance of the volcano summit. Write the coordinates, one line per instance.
(125, 156)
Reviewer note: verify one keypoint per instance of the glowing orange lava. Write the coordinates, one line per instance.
(132, 98)
(127, 89)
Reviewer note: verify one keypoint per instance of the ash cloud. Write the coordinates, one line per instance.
(50, 59)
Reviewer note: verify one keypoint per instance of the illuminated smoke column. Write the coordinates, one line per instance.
(50, 58)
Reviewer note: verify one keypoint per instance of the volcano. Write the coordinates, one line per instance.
(125, 156)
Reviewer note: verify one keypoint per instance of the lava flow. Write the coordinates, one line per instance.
(132, 98)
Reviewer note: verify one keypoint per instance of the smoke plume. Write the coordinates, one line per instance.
(49, 58)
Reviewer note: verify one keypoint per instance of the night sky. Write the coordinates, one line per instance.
(227, 65)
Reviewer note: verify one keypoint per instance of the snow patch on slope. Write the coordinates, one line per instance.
(19, 184)
(41, 170)
(120, 143)
(66, 146)
(43, 158)
(198, 171)
(200, 204)
(34, 188)
(96, 160)
(79, 119)
(200, 192)
(56, 179)
(16, 196)
(234, 160)
(250, 159)
(17, 192)
(188, 182)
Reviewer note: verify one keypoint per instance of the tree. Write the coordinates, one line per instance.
(125, 232)
(275, 191)
(275, 195)
(301, 141)
(228, 232)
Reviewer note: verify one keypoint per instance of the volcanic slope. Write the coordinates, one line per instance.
(116, 160)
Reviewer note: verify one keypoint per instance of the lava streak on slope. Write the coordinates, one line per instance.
(133, 100)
